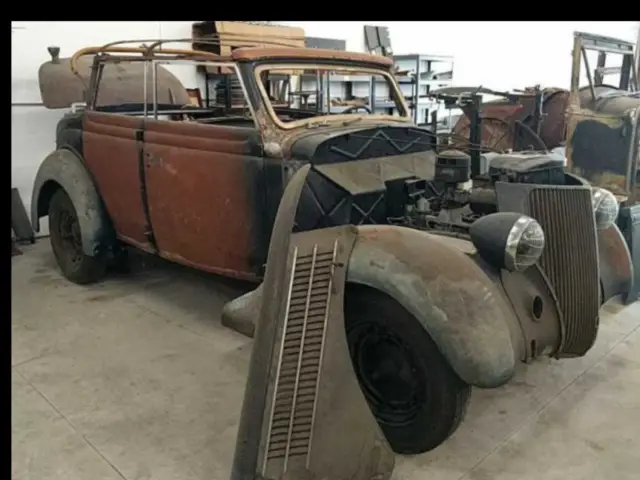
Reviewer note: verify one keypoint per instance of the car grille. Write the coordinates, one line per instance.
(296, 389)
(570, 261)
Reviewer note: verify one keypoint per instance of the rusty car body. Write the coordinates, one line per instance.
(453, 277)
(603, 136)
(531, 119)
(596, 128)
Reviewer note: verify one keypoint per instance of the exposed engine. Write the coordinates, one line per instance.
(453, 201)
(392, 174)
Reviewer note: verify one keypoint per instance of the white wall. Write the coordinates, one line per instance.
(499, 55)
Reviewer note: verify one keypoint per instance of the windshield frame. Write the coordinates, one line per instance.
(394, 91)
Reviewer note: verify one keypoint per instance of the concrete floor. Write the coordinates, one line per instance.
(135, 378)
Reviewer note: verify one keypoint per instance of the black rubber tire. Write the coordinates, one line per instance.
(67, 246)
(441, 396)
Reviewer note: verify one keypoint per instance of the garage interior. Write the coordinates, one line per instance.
(135, 377)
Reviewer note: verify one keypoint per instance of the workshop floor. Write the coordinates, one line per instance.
(135, 378)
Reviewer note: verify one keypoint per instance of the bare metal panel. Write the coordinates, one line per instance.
(121, 83)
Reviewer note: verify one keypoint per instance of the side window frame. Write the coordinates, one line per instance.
(153, 115)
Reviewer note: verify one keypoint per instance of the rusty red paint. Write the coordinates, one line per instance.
(554, 123)
(111, 152)
(500, 119)
(196, 189)
(198, 195)
(497, 125)
(188, 191)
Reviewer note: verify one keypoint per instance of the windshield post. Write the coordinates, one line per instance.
(144, 88)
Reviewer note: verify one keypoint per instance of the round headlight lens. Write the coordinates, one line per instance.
(605, 207)
(525, 243)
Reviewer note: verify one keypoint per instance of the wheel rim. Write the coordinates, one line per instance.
(68, 230)
(392, 379)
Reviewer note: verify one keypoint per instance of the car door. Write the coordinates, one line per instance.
(205, 195)
(112, 149)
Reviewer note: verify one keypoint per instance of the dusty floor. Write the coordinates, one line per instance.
(135, 378)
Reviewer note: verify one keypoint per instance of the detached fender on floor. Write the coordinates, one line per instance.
(64, 169)
(447, 292)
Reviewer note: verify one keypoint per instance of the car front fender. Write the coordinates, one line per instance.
(64, 169)
(460, 307)
(616, 267)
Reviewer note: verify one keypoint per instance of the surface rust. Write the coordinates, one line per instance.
(597, 150)
(287, 53)
(111, 152)
(460, 306)
(198, 195)
(282, 135)
(500, 119)
(191, 192)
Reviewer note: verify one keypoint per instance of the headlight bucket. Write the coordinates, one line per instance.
(508, 240)
(605, 207)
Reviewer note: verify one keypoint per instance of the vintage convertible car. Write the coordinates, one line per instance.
(459, 268)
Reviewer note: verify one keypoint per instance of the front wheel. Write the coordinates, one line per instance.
(66, 242)
(416, 397)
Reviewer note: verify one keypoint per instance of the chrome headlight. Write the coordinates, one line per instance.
(508, 240)
(524, 244)
(605, 207)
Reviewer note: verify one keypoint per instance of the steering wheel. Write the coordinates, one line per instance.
(355, 108)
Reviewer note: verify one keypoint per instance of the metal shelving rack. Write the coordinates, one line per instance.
(425, 73)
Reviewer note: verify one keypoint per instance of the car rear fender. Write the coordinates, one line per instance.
(64, 169)
(447, 292)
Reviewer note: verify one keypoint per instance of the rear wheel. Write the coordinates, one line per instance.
(416, 397)
(66, 242)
